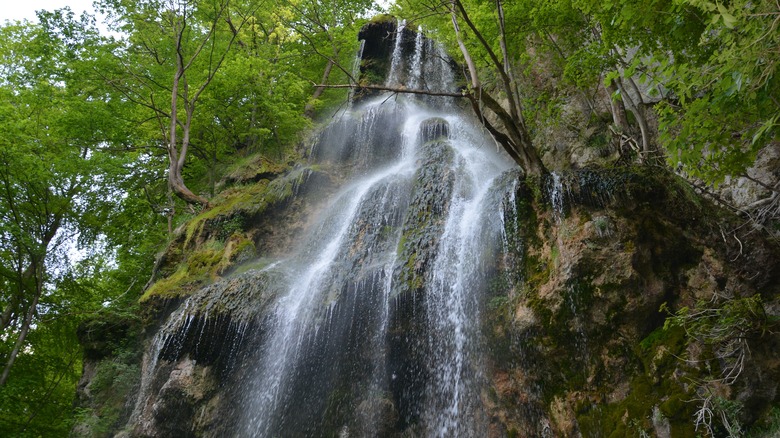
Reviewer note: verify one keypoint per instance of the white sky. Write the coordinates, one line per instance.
(25, 9)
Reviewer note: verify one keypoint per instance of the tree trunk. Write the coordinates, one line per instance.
(642, 119)
(25, 327)
(638, 115)
(514, 138)
(309, 110)
(176, 159)
(617, 108)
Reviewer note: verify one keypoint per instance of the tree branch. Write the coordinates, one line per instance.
(394, 90)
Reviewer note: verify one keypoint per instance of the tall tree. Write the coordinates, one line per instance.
(53, 185)
(174, 48)
(327, 32)
(73, 231)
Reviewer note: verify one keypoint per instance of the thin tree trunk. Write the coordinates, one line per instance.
(516, 140)
(638, 115)
(466, 55)
(501, 69)
(505, 52)
(25, 329)
(617, 108)
(309, 109)
(640, 107)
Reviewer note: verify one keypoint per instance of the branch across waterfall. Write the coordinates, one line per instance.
(395, 90)
(527, 159)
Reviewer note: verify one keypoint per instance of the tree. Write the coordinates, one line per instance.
(70, 243)
(725, 108)
(187, 41)
(327, 31)
(44, 178)
(709, 68)
(506, 123)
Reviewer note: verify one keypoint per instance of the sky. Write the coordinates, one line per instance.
(25, 9)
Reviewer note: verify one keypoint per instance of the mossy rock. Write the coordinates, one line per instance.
(254, 169)
(424, 224)
(177, 285)
(382, 19)
(215, 241)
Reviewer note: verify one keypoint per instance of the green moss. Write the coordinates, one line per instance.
(670, 339)
(243, 246)
(203, 262)
(254, 264)
(200, 267)
(382, 18)
(675, 407)
(225, 205)
(654, 386)
(202, 253)
(168, 287)
(626, 417)
(255, 168)
(231, 210)
(534, 183)
(238, 249)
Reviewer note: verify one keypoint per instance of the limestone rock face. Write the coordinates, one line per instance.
(744, 191)
(579, 342)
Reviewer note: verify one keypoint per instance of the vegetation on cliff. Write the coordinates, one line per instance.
(705, 69)
(180, 140)
(108, 139)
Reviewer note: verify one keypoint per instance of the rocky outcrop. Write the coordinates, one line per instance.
(580, 347)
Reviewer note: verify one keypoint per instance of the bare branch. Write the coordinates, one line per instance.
(394, 90)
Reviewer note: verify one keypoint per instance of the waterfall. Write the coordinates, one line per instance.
(416, 70)
(371, 325)
(395, 59)
(356, 71)
(555, 189)
(330, 356)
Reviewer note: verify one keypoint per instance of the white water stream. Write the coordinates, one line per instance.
(347, 345)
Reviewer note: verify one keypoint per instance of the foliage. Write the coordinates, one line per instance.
(770, 427)
(89, 132)
(708, 69)
(84, 202)
(725, 108)
(722, 327)
(725, 325)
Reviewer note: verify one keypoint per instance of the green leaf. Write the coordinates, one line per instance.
(728, 19)
(763, 129)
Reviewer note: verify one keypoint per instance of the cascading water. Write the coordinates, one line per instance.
(372, 326)
(356, 71)
(415, 71)
(396, 58)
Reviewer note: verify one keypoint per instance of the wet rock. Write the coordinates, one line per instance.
(434, 129)
(596, 358)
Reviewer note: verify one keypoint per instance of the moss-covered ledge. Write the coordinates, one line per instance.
(236, 229)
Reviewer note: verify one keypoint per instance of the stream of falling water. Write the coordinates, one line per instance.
(396, 58)
(301, 346)
(333, 353)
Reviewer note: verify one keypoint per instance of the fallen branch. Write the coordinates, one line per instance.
(395, 90)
